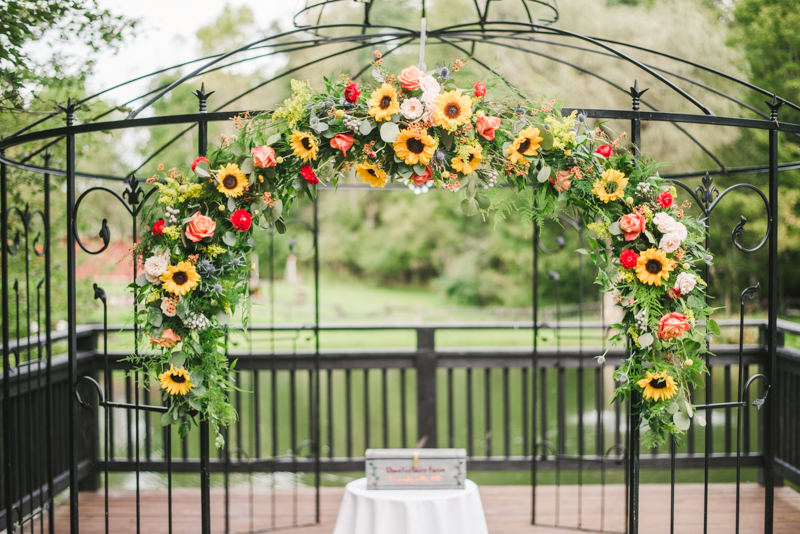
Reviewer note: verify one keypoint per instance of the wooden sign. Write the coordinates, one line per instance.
(416, 468)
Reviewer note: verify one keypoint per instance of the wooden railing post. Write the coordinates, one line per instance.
(426, 387)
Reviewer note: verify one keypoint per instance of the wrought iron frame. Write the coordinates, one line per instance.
(516, 36)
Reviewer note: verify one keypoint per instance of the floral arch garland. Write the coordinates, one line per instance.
(419, 128)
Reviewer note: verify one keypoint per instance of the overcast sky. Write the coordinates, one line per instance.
(165, 35)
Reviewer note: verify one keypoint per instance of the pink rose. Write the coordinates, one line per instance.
(409, 78)
(411, 108)
(200, 227)
(669, 243)
(633, 225)
(487, 125)
(672, 325)
(562, 181)
(264, 156)
(343, 142)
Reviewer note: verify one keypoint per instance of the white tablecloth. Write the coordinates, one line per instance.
(366, 511)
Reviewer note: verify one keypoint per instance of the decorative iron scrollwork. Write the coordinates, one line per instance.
(707, 192)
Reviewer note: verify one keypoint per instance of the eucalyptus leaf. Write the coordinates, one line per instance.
(274, 138)
(682, 421)
(276, 210)
(231, 204)
(223, 318)
(280, 226)
(404, 170)
(167, 418)
(141, 280)
(389, 131)
(198, 391)
(177, 359)
(229, 239)
(543, 175)
(202, 170)
(320, 127)
(673, 408)
(419, 169)
(645, 340)
(365, 128)
(547, 140)
(377, 75)
(483, 200)
(650, 236)
(395, 118)
(518, 126)
(247, 166)
(614, 228)
(469, 206)
(701, 419)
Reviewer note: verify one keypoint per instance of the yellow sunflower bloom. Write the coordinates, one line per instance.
(176, 381)
(526, 144)
(611, 186)
(658, 386)
(372, 174)
(383, 103)
(452, 109)
(466, 167)
(303, 145)
(652, 266)
(180, 279)
(414, 148)
(231, 180)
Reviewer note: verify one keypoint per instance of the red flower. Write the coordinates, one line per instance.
(604, 151)
(673, 293)
(665, 199)
(158, 227)
(241, 220)
(201, 159)
(351, 93)
(343, 142)
(629, 259)
(479, 89)
(308, 174)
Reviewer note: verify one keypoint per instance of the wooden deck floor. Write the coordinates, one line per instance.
(507, 510)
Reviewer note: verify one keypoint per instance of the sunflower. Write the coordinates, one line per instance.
(466, 167)
(231, 180)
(180, 279)
(372, 174)
(303, 145)
(414, 147)
(525, 145)
(658, 386)
(452, 109)
(175, 381)
(383, 103)
(611, 186)
(652, 266)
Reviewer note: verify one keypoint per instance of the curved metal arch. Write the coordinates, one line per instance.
(635, 62)
(604, 80)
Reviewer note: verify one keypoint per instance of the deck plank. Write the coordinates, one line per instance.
(507, 510)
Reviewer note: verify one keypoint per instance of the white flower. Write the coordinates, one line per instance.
(664, 222)
(685, 282)
(154, 266)
(411, 108)
(430, 86)
(680, 230)
(670, 242)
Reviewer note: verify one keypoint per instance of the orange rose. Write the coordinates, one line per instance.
(200, 228)
(633, 225)
(672, 325)
(409, 78)
(264, 156)
(486, 126)
(168, 339)
(420, 179)
(562, 182)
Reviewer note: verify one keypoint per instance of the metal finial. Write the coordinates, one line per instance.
(202, 95)
(636, 95)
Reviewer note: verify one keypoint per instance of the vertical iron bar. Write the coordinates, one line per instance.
(48, 351)
(450, 415)
(316, 429)
(205, 453)
(385, 415)
(770, 417)
(404, 423)
(487, 388)
(506, 414)
(635, 398)
(534, 364)
(6, 352)
(72, 339)
(470, 433)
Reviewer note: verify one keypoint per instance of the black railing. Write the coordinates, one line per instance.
(479, 399)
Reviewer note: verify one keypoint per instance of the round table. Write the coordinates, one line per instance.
(366, 511)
